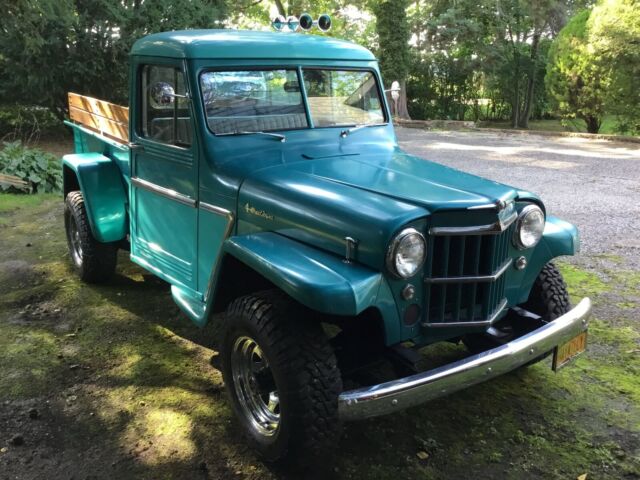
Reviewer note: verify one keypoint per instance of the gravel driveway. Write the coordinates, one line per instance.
(594, 184)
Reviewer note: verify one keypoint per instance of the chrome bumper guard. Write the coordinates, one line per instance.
(410, 391)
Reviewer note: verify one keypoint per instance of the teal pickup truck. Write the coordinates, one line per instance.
(259, 175)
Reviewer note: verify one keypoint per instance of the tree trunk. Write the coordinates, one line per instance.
(593, 124)
(281, 10)
(523, 121)
(515, 105)
(515, 101)
(403, 110)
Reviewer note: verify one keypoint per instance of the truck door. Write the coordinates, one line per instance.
(163, 175)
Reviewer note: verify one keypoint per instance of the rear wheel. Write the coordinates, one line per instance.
(94, 261)
(281, 376)
(548, 299)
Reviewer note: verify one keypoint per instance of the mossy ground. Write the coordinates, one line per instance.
(124, 387)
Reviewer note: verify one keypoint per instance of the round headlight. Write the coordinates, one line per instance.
(529, 227)
(407, 253)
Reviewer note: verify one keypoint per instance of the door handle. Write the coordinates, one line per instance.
(136, 147)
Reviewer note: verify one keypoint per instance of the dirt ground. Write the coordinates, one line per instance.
(113, 382)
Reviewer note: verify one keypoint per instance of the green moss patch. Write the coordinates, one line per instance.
(124, 382)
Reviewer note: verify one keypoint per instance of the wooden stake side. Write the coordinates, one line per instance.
(106, 118)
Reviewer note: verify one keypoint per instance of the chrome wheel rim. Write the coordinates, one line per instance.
(255, 386)
(75, 243)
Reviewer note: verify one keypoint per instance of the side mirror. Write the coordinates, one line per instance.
(395, 90)
(163, 94)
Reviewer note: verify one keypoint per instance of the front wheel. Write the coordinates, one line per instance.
(94, 261)
(548, 298)
(281, 376)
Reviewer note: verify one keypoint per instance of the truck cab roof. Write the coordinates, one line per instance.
(234, 44)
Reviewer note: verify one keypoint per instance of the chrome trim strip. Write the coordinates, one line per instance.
(165, 192)
(475, 279)
(402, 393)
(487, 206)
(227, 232)
(477, 323)
(491, 229)
(214, 209)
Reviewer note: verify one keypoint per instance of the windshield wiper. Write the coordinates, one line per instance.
(282, 138)
(349, 131)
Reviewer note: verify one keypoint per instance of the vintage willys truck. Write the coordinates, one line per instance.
(259, 175)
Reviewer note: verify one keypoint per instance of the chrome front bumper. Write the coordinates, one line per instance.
(410, 391)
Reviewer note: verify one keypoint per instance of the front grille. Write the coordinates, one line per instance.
(453, 291)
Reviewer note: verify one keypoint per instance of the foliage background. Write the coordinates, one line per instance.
(480, 60)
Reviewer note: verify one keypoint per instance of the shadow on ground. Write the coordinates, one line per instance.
(112, 381)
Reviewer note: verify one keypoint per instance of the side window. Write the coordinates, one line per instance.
(165, 113)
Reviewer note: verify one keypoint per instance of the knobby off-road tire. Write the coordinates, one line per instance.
(284, 348)
(548, 298)
(94, 261)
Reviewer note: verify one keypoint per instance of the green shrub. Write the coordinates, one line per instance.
(23, 122)
(40, 169)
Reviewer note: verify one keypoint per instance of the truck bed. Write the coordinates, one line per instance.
(100, 127)
(107, 119)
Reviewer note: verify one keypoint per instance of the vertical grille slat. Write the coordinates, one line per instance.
(428, 272)
(477, 248)
(457, 256)
(459, 272)
(446, 246)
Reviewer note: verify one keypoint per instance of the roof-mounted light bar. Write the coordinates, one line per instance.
(305, 22)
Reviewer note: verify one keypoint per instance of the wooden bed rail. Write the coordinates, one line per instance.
(106, 118)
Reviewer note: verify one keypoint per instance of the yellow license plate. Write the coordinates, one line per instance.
(566, 352)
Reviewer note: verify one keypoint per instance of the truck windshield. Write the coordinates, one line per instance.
(343, 97)
(252, 101)
(245, 101)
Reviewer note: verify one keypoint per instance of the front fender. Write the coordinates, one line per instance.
(559, 238)
(317, 279)
(320, 280)
(104, 193)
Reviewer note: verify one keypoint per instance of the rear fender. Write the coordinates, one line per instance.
(104, 192)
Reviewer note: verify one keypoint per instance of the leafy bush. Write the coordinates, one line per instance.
(40, 169)
(23, 122)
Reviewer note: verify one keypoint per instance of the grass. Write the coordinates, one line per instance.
(555, 125)
(9, 202)
(118, 367)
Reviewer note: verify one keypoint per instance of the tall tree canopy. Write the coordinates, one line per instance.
(614, 33)
(594, 66)
(393, 46)
(454, 59)
(50, 47)
(576, 83)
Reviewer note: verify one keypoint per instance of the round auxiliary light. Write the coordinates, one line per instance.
(293, 23)
(278, 23)
(407, 252)
(324, 22)
(529, 227)
(306, 22)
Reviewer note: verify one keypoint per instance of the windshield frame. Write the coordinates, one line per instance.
(303, 92)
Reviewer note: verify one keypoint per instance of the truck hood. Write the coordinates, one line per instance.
(409, 178)
(320, 201)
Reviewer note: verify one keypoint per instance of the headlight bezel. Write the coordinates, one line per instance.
(526, 211)
(392, 252)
